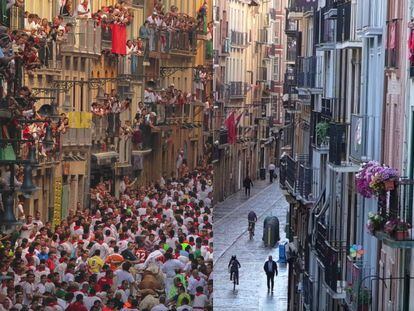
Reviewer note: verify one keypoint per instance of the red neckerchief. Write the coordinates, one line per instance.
(198, 294)
(198, 278)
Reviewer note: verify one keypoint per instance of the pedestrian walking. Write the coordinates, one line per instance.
(270, 267)
(247, 183)
(272, 168)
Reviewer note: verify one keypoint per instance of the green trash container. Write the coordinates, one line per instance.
(271, 231)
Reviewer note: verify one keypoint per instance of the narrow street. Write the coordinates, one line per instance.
(231, 238)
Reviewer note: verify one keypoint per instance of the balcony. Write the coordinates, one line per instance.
(291, 172)
(302, 5)
(293, 48)
(356, 271)
(85, 38)
(343, 26)
(77, 137)
(182, 42)
(398, 204)
(307, 72)
(237, 89)
(262, 74)
(225, 49)
(263, 36)
(392, 48)
(106, 38)
(290, 83)
(331, 256)
(369, 22)
(270, 51)
(216, 58)
(49, 57)
(358, 138)
(326, 108)
(298, 178)
(238, 39)
(131, 66)
(337, 143)
(320, 131)
(306, 183)
(308, 291)
(291, 27)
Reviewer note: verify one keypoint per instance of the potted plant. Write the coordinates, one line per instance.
(401, 230)
(364, 299)
(375, 179)
(375, 222)
(322, 129)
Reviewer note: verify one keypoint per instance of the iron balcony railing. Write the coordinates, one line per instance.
(216, 57)
(343, 26)
(332, 256)
(358, 137)
(282, 173)
(225, 49)
(356, 271)
(291, 171)
(392, 47)
(308, 291)
(302, 5)
(237, 89)
(306, 71)
(337, 143)
(291, 26)
(49, 57)
(397, 206)
(85, 38)
(106, 38)
(238, 38)
(131, 65)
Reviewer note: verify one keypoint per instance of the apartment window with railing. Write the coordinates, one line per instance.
(276, 68)
(277, 32)
(391, 52)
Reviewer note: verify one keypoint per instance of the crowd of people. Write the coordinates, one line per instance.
(110, 103)
(150, 248)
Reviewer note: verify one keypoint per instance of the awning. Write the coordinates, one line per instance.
(105, 158)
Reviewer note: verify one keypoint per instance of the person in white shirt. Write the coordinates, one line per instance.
(196, 281)
(27, 228)
(170, 267)
(200, 300)
(124, 275)
(272, 168)
(84, 10)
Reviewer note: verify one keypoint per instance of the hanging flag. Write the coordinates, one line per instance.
(230, 124)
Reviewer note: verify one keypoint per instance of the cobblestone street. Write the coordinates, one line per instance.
(231, 237)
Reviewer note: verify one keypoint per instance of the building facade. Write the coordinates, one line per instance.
(344, 252)
(247, 114)
(102, 92)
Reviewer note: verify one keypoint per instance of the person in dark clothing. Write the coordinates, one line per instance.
(234, 266)
(252, 218)
(270, 267)
(247, 183)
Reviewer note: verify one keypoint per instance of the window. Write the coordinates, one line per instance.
(277, 32)
(276, 68)
(278, 5)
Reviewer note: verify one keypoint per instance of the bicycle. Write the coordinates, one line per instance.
(251, 230)
(234, 275)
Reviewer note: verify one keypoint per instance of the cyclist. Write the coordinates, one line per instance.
(252, 218)
(234, 266)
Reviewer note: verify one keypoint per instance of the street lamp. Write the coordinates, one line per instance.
(7, 220)
(48, 142)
